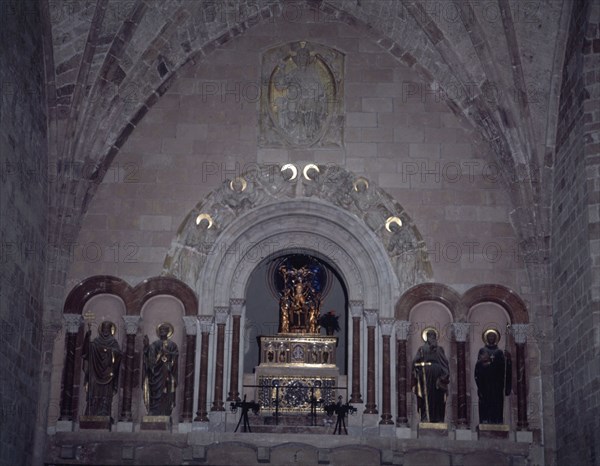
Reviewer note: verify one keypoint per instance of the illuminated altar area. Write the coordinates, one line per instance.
(298, 364)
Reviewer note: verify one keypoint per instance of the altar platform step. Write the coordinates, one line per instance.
(294, 424)
(282, 429)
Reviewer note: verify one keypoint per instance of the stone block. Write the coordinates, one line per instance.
(323, 456)
(463, 434)
(263, 454)
(68, 452)
(127, 452)
(64, 426)
(123, 426)
(524, 436)
(199, 452)
(403, 432)
(360, 119)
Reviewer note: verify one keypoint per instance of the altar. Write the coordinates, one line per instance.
(297, 366)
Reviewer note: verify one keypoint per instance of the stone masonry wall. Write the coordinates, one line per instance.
(576, 244)
(23, 203)
(398, 134)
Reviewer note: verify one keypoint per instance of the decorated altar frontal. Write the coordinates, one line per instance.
(295, 369)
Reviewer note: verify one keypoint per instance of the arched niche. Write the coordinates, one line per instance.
(483, 316)
(437, 315)
(103, 307)
(333, 214)
(311, 226)
(156, 310)
(262, 312)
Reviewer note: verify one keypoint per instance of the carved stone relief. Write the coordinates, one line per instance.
(302, 96)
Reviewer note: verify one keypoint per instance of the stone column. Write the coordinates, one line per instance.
(356, 310)
(205, 329)
(237, 307)
(461, 331)
(221, 315)
(191, 330)
(402, 332)
(72, 324)
(387, 327)
(371, 319)
(519, 332)
(131, 329)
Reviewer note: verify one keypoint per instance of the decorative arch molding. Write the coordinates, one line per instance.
(98, 284)
(327, 212)
(133, 297)
(429, 292)
(459, 305)
(165, 286)
(505, 297)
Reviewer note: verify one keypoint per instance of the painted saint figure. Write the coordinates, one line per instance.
(160, 372)
(493, 378)
(102, 359)
(430, 379)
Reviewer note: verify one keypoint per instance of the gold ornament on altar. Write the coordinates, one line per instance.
(300, 302)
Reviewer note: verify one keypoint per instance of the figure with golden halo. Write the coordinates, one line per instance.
(431, 376)
(493, 376)
(160, 372)
(101, 363)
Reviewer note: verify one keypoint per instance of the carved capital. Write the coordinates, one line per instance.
(356, 308)
(237, 306)
(132, 324)
(206, 323)
(387, 325)
(72, 322)
(371, 316)
(221, 314)
(191, 325)
(519, 332)
(402, 329)
(461, 330)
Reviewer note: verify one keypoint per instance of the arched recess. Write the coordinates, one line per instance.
(165, 286)
(429, 292)
(333, 215)
(98, 284)
(499, 294)
(311, 226)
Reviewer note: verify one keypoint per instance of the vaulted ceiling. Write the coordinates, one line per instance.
(498, 62)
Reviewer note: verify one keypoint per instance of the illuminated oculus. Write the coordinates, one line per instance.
(391, 220)
(206, 217)
(289, 166)
(309, 167)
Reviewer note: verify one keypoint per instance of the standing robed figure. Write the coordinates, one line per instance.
(493, 376)
(101, 363)
(160, 372)
(430, 380)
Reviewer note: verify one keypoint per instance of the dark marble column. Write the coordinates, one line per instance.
(237, 306)
(371, 318)
(72, 324)
(402, 331)
(205, 329)
(387, 326)
(221, 314)
(131, 329)
(356, 310)
(519, 332)
(191, 331)
(461, 331)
